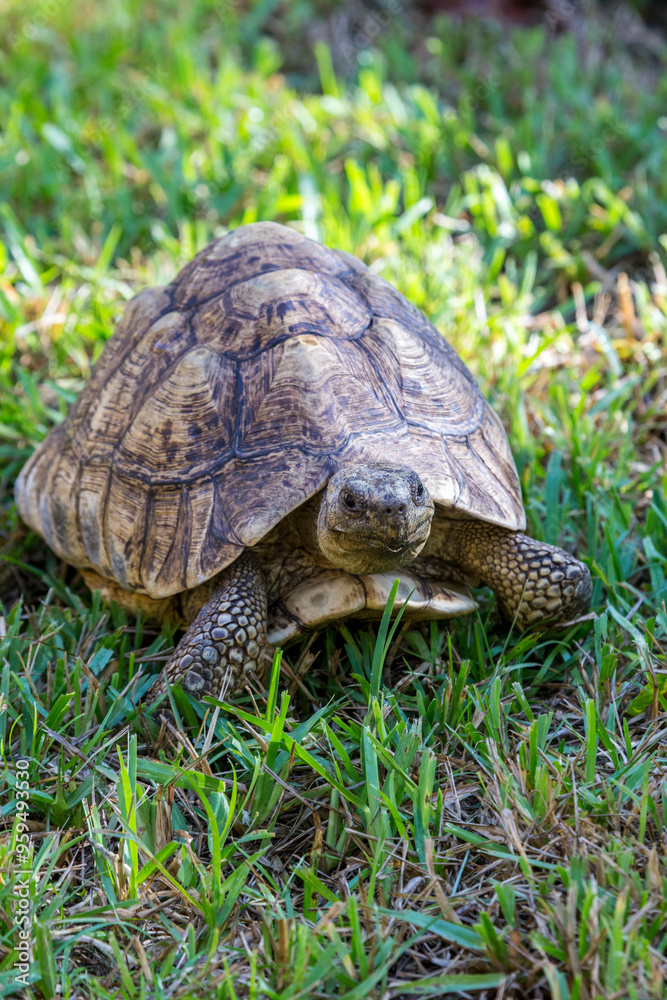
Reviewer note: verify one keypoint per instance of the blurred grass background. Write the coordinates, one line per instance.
(511, 182)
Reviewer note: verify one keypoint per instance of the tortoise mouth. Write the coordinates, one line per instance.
(395, 538)
(367, 543)
(363, 548)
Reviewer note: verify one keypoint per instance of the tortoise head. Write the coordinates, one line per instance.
(374, 518)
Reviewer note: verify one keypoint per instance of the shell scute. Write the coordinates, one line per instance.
(433, 394)
(108, 406)
(246, 253)
(186, 424)
(92, 421)
(254, 315)
(124, 527)
(311, 383)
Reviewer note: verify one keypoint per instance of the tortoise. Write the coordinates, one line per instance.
(269, 442)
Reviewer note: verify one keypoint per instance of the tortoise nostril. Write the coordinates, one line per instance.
(395, 508)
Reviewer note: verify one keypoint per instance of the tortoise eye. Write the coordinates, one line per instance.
(419, 489)
(349, 501)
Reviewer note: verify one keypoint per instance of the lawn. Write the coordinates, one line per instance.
(446, 810)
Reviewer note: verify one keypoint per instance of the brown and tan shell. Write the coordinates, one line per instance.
(228, 398)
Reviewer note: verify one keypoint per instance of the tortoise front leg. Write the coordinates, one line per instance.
(533, 581)
(227, 639)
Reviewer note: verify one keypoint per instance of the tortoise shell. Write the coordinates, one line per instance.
(228, 398)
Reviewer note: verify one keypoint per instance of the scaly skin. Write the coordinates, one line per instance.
(533, 581)
(227, 639)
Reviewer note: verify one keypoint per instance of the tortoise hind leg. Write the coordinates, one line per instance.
(227, 639)
(533, 581)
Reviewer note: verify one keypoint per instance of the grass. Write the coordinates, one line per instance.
(455, 810)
